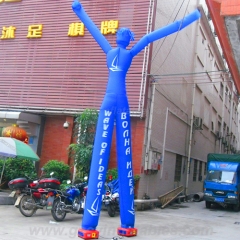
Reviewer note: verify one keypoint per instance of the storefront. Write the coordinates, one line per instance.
(29, 122)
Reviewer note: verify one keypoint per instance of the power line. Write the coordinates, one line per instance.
(189, 73)
(195, 77)
(180, 74)
(186, 83)
(175, 36)
(155, 54)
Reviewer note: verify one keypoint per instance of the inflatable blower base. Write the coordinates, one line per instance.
(88, 234)
(127, 232)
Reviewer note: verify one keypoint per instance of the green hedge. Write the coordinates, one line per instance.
(15, 168)
(61, 170)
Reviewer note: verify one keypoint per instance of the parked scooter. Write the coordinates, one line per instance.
(111, 197)
(70, 201)
(35, 195)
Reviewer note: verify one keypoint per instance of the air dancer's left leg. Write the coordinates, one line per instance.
(125, 168)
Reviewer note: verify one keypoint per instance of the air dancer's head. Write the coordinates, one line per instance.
(124, 36)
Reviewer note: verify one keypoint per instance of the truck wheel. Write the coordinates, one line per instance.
(208, 204)
(236, 207)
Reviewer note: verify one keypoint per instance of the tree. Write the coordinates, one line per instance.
(84, 133)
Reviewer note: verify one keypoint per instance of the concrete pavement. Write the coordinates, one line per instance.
(190, 220)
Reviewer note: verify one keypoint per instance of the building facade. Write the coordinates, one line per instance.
(182, 98)
(192, 105)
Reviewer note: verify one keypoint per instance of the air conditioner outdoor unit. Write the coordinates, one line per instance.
(198, 123)
(224, 140)
(218, 134)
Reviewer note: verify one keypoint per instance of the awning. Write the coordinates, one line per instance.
(27, 121)
(22, 116)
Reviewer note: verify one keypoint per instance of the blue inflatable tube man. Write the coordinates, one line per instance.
(115, 107)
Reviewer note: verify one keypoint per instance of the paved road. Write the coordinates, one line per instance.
(189, 220)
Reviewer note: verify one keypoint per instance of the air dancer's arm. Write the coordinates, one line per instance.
(92, 28)
(165, 31)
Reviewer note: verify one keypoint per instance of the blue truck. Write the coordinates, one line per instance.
(222, 183)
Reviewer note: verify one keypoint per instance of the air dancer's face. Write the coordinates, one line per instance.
(124, 36)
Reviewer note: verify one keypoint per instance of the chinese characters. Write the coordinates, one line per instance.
(74, 30)
(109, 27)
(2, 1)
(8, 32)
(35, 31)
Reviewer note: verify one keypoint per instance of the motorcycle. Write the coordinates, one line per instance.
(111, 197)
(70, 201)
(34, 195)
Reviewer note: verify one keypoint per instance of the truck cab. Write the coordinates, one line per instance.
(222, 184)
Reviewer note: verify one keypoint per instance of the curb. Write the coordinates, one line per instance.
(5, 199)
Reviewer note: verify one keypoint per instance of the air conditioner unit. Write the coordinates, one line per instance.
(218, 134)
(224, 140)
(198, 123)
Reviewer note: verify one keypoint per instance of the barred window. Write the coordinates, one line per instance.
(200, 171)
(205, 169)
(195, 170)
(178, 168)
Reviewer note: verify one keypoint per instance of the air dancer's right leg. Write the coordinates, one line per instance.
(99, 164)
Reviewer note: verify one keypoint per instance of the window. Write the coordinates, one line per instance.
(200, 171)
(214, 119)
(178, 168)
(206, 112)
(229, 99)
(221, 90)
(205, 169)
(226, 96)
(195, 170)
(224, 126)
(219, 126)
(235, 111)
(212, 126)
(221, 176)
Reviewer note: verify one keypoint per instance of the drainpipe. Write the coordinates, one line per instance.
(164, 143)
(238, 119)
(231, 113)
(149, 130)
(222, 122)
(75, 165)
(146, 57)
(190, 140)
(192, 110)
